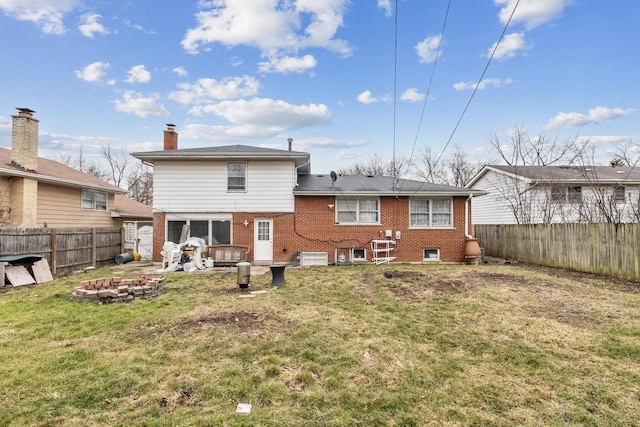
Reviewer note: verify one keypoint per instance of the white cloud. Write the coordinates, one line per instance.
(180, 71)
(427, 49)
(509, 47)
(270, 25)
(531, 13)
(89, 25)
(288, 64)
(46, 14)
(470, 85)
(133, 102)
(386, 6)
(269, 114)
(94, 72)
(595, 115)
(602, 139)
(138, 74)
(412, 95)
(367, 97)
(329, 143)
(209, 90)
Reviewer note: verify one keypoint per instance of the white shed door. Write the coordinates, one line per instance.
(263, 241)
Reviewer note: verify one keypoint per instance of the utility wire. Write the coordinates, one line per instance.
(433, 71)
(479, 82)
(395, 88)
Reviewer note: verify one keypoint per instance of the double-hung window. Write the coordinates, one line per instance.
(430, 213)
(94, 200)
(237, 176)
(358, 211)
(619, 194)
(566, 194)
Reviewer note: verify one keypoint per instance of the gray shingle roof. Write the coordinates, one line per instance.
(574, 174)
(374, 185)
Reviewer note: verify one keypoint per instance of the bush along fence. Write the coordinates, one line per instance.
(607, 249)
(66, 249)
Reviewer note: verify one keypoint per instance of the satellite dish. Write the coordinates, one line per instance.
(333, 176)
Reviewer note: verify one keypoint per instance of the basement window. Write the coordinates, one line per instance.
(94, 200)
(359, 254)
(431, 254)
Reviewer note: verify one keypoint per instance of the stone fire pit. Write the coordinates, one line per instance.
(116, 289)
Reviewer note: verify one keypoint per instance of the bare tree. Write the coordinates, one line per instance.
(376, 166)
(428, 169)
(461, 170)
(117, 161)
(520, 149)
(84, 165)
(140, 184)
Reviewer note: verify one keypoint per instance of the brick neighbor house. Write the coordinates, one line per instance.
(268, 200)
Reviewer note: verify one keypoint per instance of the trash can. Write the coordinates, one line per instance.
(244, 274)
(124, 257)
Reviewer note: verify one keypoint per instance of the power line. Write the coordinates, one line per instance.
(433, 70)
(479, 82)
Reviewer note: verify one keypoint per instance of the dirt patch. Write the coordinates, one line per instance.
(243, 321)
(415, 285)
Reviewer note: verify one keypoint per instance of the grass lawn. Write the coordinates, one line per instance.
(421, 345)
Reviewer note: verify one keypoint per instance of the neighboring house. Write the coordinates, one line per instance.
(37, 192)
(554, 194)
(267, 199)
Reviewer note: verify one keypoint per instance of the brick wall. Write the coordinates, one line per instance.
(313, 229)
(158, 235)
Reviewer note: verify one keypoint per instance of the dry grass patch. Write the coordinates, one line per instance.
(366, 345)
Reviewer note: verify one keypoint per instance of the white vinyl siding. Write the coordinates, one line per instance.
(201, 186)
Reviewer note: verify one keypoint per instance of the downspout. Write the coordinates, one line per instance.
(467, 204)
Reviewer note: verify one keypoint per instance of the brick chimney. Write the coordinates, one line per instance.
(24, 140)
(170, 137)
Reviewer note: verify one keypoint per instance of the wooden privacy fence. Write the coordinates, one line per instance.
(66, 249)
(606, 249)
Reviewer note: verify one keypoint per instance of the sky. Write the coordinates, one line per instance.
(346, 79)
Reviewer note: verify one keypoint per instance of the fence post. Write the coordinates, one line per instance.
(94, 248)
(54, 252)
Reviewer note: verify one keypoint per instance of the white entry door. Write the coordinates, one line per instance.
(263, 241)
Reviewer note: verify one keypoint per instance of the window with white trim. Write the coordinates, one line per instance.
(566, 194)
(430, 213)
(431, 254)
(236, 176)
(94, 200)
(358, 211)
(619, 193)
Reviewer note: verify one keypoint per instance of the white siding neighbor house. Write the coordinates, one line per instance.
(556, 194)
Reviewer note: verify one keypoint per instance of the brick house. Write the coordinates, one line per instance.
(268, 200)
(38, 192)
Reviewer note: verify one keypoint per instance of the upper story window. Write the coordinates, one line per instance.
(430, 213)
(566, 194)
(358, 211)
(236, 176)
(94, 200)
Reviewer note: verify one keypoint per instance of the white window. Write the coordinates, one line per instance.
(619, 193)
(431, 254)
(358, 211)
(213, 232)
(430, 213)
(236, 176)
(359, 254)
(94, 200)
(566, 194)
